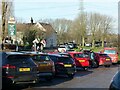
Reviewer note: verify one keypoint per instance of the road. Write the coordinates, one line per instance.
(93, 78)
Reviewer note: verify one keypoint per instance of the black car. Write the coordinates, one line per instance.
(17, 69)
(64, 65)
(115, 82)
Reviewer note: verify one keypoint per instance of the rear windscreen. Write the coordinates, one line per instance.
(53, 58)
(110, 52)
(80, 55)
(65, 59)
(19, 59)
(103, 55)
(41, 57)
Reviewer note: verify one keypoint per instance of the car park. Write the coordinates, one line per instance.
(112, 52)
(81, 59)
(103, 59)
(64, 65)
(17, 69)
(46, 68)
(115, 82)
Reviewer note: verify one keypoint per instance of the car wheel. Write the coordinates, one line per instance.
(107, 65)
(114, 63)
(49, 78)
(95, 64)
(85, 68)
(71, 75)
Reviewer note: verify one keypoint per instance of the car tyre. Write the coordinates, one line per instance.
(49, 78)
(95, 65)
(85, 68)
(71, 76)
(107, 65)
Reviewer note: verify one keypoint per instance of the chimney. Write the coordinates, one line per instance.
(31, 20)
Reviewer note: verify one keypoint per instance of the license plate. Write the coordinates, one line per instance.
(81, 60)
(107, 59)
(43, 64)
(67, 65)
(24, 69)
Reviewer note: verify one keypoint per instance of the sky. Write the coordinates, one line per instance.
(68, 9)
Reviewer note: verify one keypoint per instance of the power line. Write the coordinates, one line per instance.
(47, 7)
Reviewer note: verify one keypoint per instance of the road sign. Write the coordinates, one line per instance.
(11, 26)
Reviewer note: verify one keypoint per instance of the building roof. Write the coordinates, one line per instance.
(49, 29)
(46, 26)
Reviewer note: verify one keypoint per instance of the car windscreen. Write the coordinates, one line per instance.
(65, 59)
(80, 55)
(110, 52)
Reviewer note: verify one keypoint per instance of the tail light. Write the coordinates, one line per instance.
(10, 76)
(9, 66)
(60, 63)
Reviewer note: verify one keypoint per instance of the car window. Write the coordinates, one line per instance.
(110, 51)
(53, 58)
(103, 54)
(16, 59)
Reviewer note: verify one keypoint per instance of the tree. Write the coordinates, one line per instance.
(106, 26)
(79, 28)
(62, 27)
(6, 12)
(99, 26)
(28, 37)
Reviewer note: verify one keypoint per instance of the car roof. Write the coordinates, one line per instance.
(12, 53)
(31, 52)
(110, 48)
(57, 55)
(74, 52)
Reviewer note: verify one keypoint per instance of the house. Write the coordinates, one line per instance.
(49, 34)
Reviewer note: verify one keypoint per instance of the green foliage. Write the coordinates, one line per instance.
(28, 37)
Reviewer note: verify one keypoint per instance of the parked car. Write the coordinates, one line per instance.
(112, 52)
(64, 65)
(103, 59)
(81, 59)
(17, 69)
(115, 82)
(46, 68)
(63, 48)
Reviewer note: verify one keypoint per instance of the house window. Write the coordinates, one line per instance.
(51, 40)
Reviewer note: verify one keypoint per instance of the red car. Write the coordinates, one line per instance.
(81, 59)
(103, 59)
(112, 52)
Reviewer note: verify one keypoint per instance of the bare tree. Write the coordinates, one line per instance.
(79, 28)
(106, 26)
(99, 26)
(6, 12)
(62, 27)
